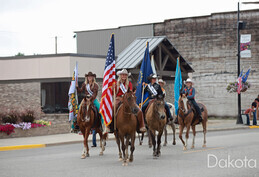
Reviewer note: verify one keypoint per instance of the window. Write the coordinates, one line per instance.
(54, 97)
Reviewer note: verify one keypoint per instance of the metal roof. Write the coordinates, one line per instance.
(133, 55)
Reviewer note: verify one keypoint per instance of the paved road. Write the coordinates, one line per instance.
(240, 146)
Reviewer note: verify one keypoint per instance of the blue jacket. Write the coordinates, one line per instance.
(190, 93)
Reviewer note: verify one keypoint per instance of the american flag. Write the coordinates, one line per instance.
(108, 80)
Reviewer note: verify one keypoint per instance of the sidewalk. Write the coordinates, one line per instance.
(69, 138)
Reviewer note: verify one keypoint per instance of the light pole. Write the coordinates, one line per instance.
(240, 26)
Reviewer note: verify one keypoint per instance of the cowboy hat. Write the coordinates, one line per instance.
(161, 81)
(189, 80)
(123, 71)
(152, 76)
(90, 74)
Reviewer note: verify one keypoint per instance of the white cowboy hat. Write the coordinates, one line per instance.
(152, 76)
(161, 81)
(189, 80)
(123, 71)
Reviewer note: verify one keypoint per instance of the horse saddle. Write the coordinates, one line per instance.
(196, 115)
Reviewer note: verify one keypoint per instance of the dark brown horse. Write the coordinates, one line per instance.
(187, 118)
(156, 121)
(87, 120)
(126, 125)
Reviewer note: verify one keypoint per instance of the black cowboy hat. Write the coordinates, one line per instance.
(152, 76)
(90, 74)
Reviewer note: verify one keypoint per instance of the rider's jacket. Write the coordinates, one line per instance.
(122, 89)
(91, 90)
(190, 92)
(153, 90)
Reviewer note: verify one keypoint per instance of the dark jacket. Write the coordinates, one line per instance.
(157, 87)
(190, 93)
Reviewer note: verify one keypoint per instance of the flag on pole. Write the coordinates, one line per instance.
(177, 85)
(239, 85)
(153, 64)
(72, 93)
(108, 80)
(245, 76)
(144, 72)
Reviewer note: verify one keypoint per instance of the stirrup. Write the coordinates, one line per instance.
(143, 129)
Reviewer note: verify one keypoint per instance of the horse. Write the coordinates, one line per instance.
(156, 121)
(126, 125)
(87, 120)
(171, 124)
(187, 118)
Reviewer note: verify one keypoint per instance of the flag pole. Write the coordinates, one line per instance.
(114, 110)
(142, 96)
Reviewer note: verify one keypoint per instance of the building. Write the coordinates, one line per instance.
(207, 43)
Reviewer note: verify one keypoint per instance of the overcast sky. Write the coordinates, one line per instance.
(30, 26)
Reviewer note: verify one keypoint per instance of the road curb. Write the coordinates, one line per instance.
(19, 147)
(32, 146)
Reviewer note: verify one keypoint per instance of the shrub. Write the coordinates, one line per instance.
(27, 116)
(10, 117)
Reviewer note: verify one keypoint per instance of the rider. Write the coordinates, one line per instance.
(121, 87)
(154, 90)
(90, 87)
(190, 92)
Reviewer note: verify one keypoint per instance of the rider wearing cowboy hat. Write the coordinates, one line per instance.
(121, 87)
(190, 92)
(154, 90)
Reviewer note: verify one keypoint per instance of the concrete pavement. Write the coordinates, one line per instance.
(69, 138)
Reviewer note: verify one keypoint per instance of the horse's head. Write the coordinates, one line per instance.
(183, 106)
(85, 110)
(129, 100)
(160, 106)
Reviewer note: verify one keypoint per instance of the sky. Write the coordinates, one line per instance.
(30, 26)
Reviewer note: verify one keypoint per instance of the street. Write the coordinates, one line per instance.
(240, 148)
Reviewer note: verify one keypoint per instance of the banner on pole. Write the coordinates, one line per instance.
(245, 47)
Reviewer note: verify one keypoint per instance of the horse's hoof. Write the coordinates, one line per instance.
(192, 147)
(204, 146)
(131, 160)
(184, 148)
(124, 164)
(87, 155)
(140, 143)
(120, 159)
(164, 144)
(83, 156)
(101, 154)
(150, 146)
(174, 143)
(103, 149)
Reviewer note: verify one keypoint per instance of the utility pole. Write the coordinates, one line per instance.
(56, 44)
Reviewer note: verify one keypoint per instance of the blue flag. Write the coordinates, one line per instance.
(144, 72)
(240, 75)
(177, 85)
(245, 76)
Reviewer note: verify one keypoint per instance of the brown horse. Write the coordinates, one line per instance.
(187, 118)
(126, 125)
(87, 120)
(156, 121)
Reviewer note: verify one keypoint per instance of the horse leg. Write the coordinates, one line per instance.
(142, 137)
(187, 136)
(204, 125)
(181, 135)
(194, 134)
(159, 142)
(118, 143)
(149, 139)
(165, 130)
(127, 147)
(152, 134)
(101, 140)
(123, 147)
(84, 148)
(132, 147)
(87, 132)
(174, 130)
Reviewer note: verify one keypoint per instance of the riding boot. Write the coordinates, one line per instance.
(176, 120)
(200, 119)
(140, 118)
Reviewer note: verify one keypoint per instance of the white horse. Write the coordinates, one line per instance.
(171, 124)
